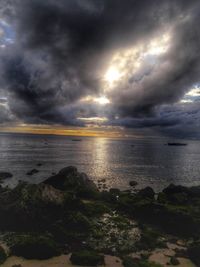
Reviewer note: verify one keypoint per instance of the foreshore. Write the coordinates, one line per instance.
(66, 221)
(60, 261)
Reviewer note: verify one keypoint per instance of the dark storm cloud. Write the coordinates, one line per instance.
(62, 47)
(188, 121)
(178, 120)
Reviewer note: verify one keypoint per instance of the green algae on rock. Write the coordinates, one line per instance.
(3, 255)
(87, 258)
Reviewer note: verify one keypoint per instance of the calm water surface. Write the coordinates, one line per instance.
(149, 162)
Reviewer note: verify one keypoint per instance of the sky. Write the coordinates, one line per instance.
(100, 67)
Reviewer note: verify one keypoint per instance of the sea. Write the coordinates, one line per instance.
(148, 161)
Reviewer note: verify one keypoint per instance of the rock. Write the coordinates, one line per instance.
(172, 218)
(29, 206)
(174, 189)
(70, 179)
(32, 172)
(115, 191)
(194, 253)
(133, 183)
(39, 164)
(180, 243)
(5, 175)
(179, 194)
(174, 261)
(194, 191)
(147, 192)
(42, 192)
(50, 194)
(181, 253)
(3, 255)
(35, 247)
(130, 262)
(87, 258)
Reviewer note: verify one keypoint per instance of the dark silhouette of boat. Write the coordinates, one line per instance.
(76, 140)
(176, 144)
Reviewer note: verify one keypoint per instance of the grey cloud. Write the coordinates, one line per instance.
(5, 115)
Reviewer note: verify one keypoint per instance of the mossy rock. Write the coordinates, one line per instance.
(35, 247)
(70, 179)
(147, 192)
(173, 219)
(95, 208)
(150, 239)
(130, 262)
(5, 175)
(149, 264)
(194, 253)
(29, 207)
(87, 193)
(180, 198)
(174, 261)
(114, 191)
(78, 222)
(87, 258)
(162, 198)
(3, 255)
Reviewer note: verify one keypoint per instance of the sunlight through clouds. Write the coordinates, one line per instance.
(194, 92)
(102, 100)
(96, 120)
(126, 62)
(113, 74)
(193, 95)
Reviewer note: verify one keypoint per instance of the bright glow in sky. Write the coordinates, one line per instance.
(192, 96)
(158, 46)
(194, 91)
(94, 119)
(126, 62)
(112, 75)
(103, 100)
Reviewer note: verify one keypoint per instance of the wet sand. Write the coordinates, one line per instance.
(162, 256)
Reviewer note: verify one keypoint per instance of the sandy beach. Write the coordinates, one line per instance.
(61, 261)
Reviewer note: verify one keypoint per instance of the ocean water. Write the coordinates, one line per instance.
(148, 161)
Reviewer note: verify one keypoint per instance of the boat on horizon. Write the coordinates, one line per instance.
(176, 144)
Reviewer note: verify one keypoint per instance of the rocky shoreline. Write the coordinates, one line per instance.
(67, 215)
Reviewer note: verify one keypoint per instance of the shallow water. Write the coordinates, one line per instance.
(149, 162)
